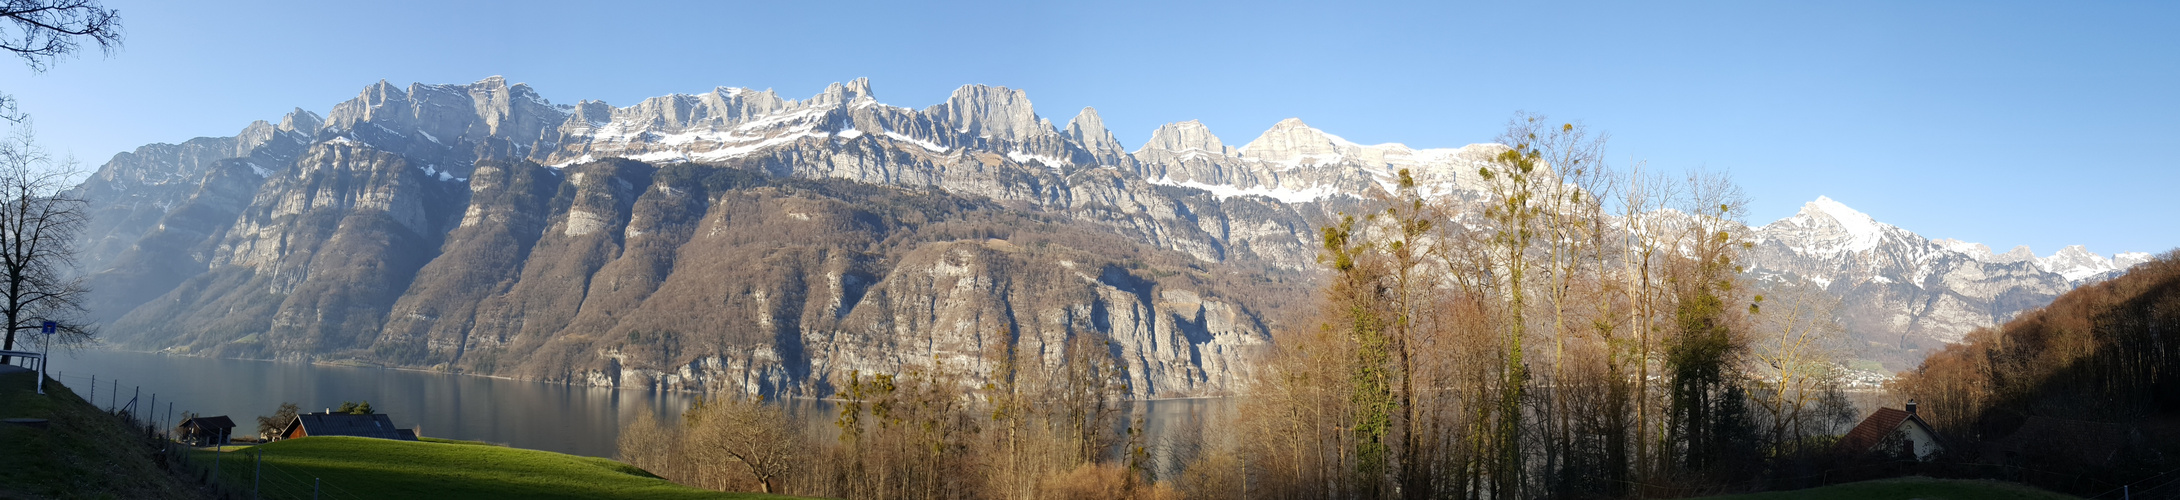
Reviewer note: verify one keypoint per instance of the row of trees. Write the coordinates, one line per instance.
(1029, 430)
(1575, 331)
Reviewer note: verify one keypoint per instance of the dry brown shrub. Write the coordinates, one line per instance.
(1101, 482)
(1216, 475)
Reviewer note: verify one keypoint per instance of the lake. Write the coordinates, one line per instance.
(523, 414)
(535, 415)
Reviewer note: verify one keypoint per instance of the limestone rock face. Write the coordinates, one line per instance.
(994, 113)
(301, 122)
(740, 241)
(310, 264)
(132, 193)
(1183, 137)
(449, 127)
(1088, 130)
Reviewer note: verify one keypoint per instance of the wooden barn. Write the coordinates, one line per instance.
(375, 425)
(207, 431)
(1890, 432)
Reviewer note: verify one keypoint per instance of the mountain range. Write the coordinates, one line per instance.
(738, 240)
(1903, 294)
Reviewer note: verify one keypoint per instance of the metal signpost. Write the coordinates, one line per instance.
(47, 357)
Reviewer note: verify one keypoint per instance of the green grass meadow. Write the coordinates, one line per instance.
(81, 453)
(352, 467)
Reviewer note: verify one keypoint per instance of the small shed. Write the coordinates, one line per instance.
(375, 425)
(1899, 433)
(207, 431)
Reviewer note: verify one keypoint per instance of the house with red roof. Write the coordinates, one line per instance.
(1893, 433)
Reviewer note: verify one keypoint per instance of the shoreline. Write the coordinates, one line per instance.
(515, 379)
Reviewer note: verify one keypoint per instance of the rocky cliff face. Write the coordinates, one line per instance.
(728, 241)
(740, 241)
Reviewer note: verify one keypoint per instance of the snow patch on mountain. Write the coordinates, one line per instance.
(1222, 191)
(1024, 158)
(932, 146)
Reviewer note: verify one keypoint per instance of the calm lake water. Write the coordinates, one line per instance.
(535, 415)
(522, 414)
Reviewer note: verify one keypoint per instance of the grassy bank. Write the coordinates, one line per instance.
(376, 468)
(82, 452)
(1910, 488)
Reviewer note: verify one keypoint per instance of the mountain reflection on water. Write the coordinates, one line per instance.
(524, 414)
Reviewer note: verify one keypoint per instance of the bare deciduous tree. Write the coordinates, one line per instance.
(38, 226)
(758, 436)
(653, 447)
(1798, 351)
(38, 230)
(270, 427)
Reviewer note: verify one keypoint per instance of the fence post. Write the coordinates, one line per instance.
(94, 391)
(257, 479)
(113, 397)
(314, 482)
(169, 431)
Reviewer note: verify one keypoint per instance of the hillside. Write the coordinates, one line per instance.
(2097, 372)
(82, 453)
(352, 467)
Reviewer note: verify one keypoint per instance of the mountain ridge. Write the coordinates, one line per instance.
(482, 228)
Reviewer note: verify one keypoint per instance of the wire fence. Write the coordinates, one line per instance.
(249, 472)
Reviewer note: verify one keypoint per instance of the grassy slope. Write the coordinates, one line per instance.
(378, 468)
(82, 454)
(1907, 488)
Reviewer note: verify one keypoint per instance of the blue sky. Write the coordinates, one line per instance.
(2002, 123)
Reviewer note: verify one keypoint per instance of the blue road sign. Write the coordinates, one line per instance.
(50, 327)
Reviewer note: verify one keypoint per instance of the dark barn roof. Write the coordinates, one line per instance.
(219, 422)
(375, 425)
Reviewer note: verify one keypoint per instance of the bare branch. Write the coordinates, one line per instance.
(43, 31)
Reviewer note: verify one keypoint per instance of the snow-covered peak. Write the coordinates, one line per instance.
(1976, 251)
(2019, 253)
(2126, 260)
(2076, 262)
(1829, 227)
(1865, 229)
